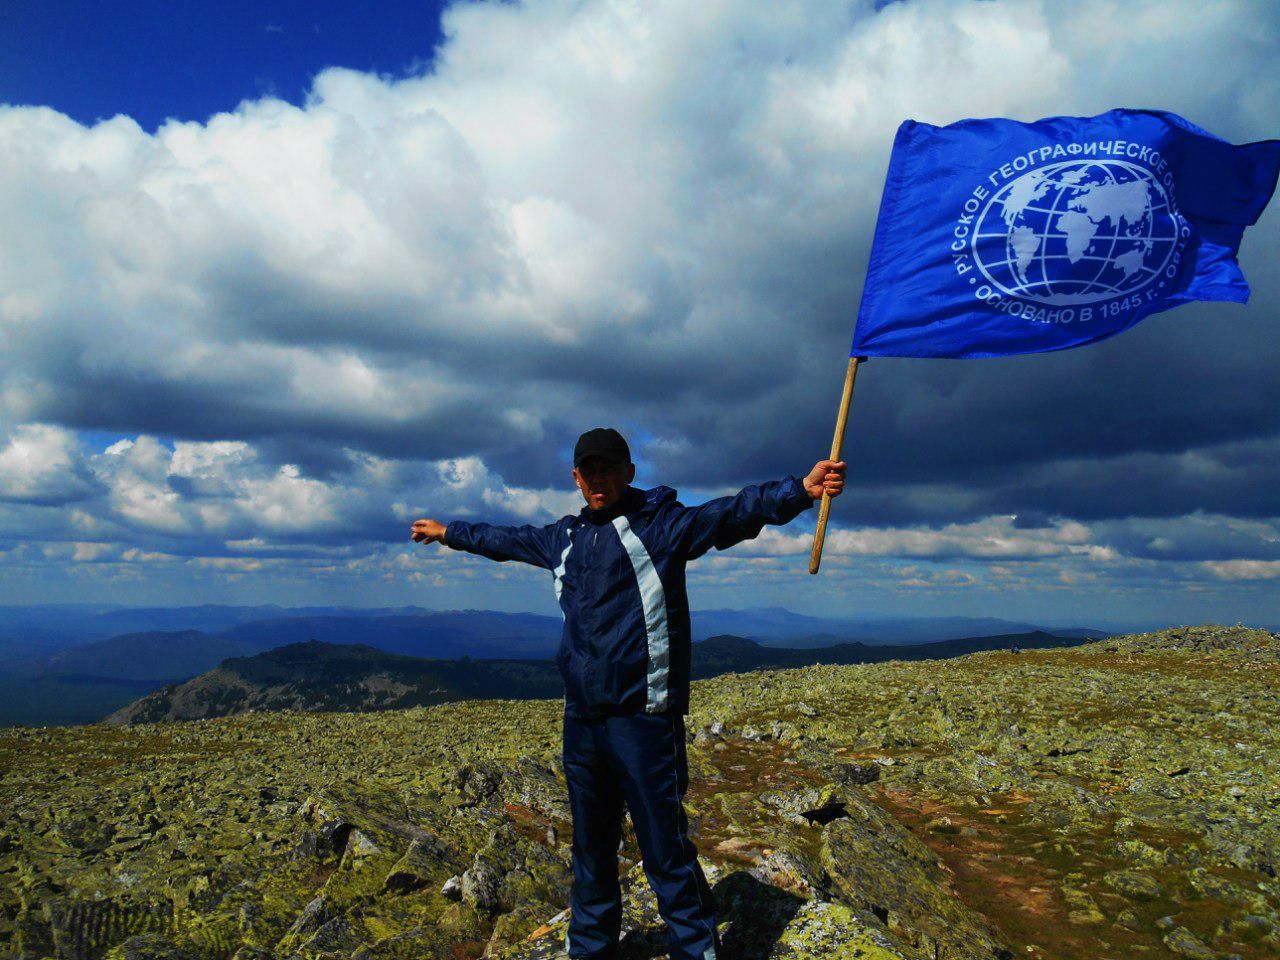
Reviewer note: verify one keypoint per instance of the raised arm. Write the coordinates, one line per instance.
(722, 522)
(528, 544)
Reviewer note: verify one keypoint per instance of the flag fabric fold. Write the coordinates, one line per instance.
(997, 237)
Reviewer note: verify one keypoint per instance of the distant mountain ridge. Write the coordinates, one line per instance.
(711, 654)
(45, 678)
(114, 636)
(315, 675)
(778, 626)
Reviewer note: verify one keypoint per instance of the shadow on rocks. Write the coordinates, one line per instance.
(757, 915)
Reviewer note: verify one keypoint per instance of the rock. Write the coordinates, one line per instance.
(1135, 851)
(858, 773)
(476, 783)
(1129, 920)
(824, 930)
(416, 943)
(1084, 910)
(1186, 944)
(943, 824)
(532, 785)
(334, 936)
(1131, 883)
(1248, 929)
(877, 865)
(791, 871)
(460, 922)
(511, 928)
(791, 804)
(740, 847)
(151, 946)
(358, 849)
(313, 916)
(415, 870)
(452, 888)
(784, 731)
(480, 885)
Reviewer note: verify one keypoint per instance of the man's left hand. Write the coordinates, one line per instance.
(827, 477)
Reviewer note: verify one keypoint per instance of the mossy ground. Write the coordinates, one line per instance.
(1114, 800)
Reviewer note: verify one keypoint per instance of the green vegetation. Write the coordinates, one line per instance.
(1113, 800)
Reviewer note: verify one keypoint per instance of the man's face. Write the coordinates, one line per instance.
(603, 482)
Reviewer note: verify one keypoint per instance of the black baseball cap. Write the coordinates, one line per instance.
(603, 442)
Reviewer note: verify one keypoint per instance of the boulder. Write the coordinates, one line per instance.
(878, 866)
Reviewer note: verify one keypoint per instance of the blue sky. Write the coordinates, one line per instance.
(278, 279)
(156, 60)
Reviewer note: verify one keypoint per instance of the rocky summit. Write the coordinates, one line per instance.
(1113, 800)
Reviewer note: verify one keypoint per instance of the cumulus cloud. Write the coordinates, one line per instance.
(994, 538)
(39, 464)
(1244, 569)
(314, 322)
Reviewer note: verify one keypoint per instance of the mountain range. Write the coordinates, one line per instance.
(318, 676)
(64, 664)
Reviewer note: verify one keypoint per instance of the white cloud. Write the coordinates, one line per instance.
(88, 552)
(993, 538)
(404, 297)
(238, 564)
(1244, 569)
(534, 505)
(654, 178)
(38, 465)
(136, 475)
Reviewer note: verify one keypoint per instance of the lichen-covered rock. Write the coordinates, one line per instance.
(462, 923)
(854, 774)
(313, 916)
(421, 864)
(416, 943)
(933, 792)
(758, 922)
(1184, 943)
(1134, 884)
(534, 785)
(151, 946)
(878, 866)
(337, 935)
(511, 928)
(792, 871)
(480, 884)
(822, 930)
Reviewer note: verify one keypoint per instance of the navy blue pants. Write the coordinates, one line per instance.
(638, 760)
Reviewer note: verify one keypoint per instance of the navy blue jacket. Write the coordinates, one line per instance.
(619, 577)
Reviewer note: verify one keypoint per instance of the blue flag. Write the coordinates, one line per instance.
(997, 237)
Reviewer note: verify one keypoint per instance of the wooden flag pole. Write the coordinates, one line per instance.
(815, 558)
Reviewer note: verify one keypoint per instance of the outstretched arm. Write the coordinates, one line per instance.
(722, 522)
(528, 543)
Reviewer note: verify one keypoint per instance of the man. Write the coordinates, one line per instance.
(618, 569)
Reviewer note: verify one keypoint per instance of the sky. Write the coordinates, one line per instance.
(277, 280)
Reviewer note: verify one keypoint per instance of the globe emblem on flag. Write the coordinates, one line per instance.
(1077, 232)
